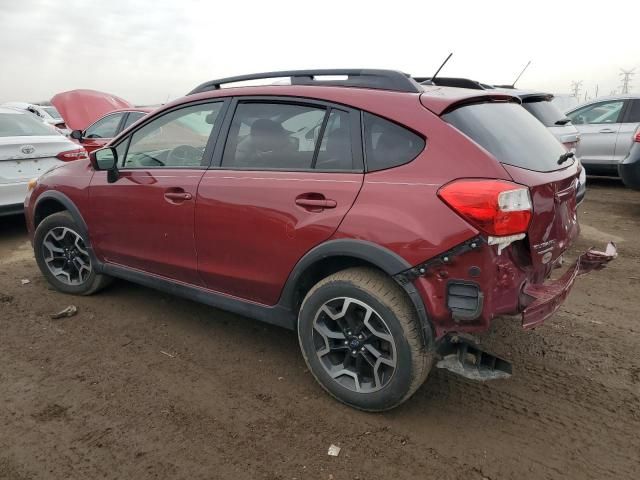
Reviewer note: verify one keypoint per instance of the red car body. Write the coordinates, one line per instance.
(254, 241)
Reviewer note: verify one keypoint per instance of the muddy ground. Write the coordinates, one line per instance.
(142, 385)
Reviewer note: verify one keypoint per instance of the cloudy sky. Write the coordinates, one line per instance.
(149, 51)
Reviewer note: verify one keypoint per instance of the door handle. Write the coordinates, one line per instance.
(606, 130)
(316, 203)
(177, 197)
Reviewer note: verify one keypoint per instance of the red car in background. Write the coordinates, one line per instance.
(96, 117)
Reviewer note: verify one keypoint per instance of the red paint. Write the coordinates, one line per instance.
(80, 108)
(242, 232)
(251, 231)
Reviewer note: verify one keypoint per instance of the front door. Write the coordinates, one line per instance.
(144, 220)
(289, 174)
(598, 125)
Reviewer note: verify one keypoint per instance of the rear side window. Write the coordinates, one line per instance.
(131, 118)
(547, 113)
(510, 134)
(634, 112)
(387, 144)
(283, 136)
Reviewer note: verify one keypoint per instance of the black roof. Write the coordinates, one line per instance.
(366, 78)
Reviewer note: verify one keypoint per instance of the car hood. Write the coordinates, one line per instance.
(80, 108)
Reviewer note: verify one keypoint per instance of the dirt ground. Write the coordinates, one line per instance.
(142, 385)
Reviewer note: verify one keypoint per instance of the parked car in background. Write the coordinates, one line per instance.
(47, 113)
(379, 218)
(607, 127)
(28, 148)
(538, 104)
(99, 133)
(629, 168)
(96, 117)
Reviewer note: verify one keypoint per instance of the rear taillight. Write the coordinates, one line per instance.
(495, 207)
(70, 155)
(636, 136)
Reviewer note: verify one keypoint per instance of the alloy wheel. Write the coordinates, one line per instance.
(354, 345)
(66, 256)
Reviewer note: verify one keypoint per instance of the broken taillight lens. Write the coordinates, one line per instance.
(495, 207)
(70, 155)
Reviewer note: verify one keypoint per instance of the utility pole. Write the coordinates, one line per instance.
(575, 88)
(626, 75)
(596, 91)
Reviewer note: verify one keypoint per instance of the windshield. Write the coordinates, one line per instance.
(53, 112)
(547, 113)
(510, 134)
(21, 124)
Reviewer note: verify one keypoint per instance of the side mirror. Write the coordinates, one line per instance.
(76, 135)
(106, 159)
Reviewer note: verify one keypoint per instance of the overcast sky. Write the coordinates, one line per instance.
(148, 51)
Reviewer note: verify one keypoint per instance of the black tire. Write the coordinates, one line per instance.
(377, 291)
(87, 285)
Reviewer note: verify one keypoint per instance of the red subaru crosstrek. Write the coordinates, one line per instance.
(383, 219)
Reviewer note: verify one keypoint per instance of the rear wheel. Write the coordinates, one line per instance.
(361, 339)
(62, 255)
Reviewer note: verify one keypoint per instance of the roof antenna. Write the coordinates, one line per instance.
(513, 85)
(438, 71)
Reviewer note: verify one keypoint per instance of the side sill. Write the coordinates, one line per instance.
(276, 315)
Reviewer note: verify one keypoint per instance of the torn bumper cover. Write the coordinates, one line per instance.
(543, 300)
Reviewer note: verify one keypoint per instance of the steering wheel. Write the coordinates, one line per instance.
(185, 155)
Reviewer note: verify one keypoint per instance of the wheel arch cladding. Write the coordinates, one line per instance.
(335, 255)
(53, 201)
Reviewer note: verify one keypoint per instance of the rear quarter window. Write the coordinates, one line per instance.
(510, 134)
(387, 144)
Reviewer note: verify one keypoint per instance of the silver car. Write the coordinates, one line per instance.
(607, 129)
(28, 148)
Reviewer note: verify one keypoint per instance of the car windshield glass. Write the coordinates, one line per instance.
(547, 113)
(510, 134)
(52, 111)
(21, 124)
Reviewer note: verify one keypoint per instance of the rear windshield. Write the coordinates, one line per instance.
(52, 111)
(547, 113)
(510, 134)
(22, 124)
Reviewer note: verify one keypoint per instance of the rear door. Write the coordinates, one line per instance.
(145, 220)
(287, 175)
(598, 124)
(629, 125)
(532, 157)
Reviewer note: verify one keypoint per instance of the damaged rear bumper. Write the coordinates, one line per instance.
(543, 300)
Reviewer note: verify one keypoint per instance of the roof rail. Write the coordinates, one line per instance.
(366, 78)
(453, 82)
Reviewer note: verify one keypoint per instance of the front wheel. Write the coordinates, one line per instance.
(361, 339)
(63, 257)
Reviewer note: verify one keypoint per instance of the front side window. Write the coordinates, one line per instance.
(176, 139)
(603, 112)
(106, 127)
(387, 144)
